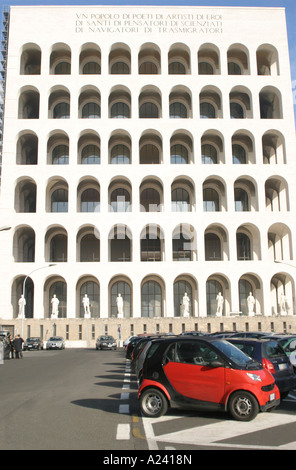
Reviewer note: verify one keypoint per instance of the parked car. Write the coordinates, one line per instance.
(33, 343)
(131, 345)
(55, 342)
(205, 373)
(250, 334)
(127, 341)
(137, 353)
(273, 358)
(6, 346)
(106, 342)
(288, 342)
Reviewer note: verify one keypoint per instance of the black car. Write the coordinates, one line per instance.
(271, 354)
(106, 342)
(33, 343)
(131, 345)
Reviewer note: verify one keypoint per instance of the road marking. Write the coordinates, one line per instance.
(123, 432)
(215, 434)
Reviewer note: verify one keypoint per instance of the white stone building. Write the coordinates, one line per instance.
(147, 152)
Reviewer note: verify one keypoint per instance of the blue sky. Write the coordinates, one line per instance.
(290, 6)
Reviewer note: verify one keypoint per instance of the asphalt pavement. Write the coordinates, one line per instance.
(62, 400)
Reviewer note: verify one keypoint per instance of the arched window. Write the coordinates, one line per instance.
(208, 154)
(120, 68)
(178, 110)
(148, 110)
(59, 200)
(59, 289)
(212, 290)
(62, 68)
(92, 290)
(207, 111)
(120, 245)
(120, 154)
(245, 287)
(181, 248)
(149, 154)
(150, 200)
(176, 68)
(122, 288)
(212, 247)
(120, 200)
(236, 111)
(150, 248)
(90, 155)
(60, 155)
(179, 154)
(91, 111)
(180, 288)
(120, 111)
(151, 300)
(234, 69)
(241, 200)
(243, 247)
(210, 200)
(90, 248)
(91, 68)
(204, 68)
(148, 68)
(238, 154)
(58, 248)
(90, 201)
(61, 111)
(180, 200)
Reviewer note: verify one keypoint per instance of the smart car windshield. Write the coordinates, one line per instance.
(236, 355)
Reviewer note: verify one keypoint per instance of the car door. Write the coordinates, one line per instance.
(188, 370)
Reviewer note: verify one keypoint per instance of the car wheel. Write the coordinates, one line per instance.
(153, 403)
(243, 406)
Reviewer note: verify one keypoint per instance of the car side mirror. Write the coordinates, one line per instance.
(217, 363)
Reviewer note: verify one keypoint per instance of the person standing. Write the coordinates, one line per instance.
(11, 347)
(18, 346)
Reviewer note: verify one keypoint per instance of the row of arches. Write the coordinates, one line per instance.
(152, 243)
(151, 148)
(213, 195)
(153, 291)
(241, 103)
(149, 59)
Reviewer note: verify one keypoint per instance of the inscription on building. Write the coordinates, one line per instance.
(154, 23)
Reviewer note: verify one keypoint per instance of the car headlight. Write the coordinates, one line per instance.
(254, 377)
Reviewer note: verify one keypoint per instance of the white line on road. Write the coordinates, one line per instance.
(123, 432)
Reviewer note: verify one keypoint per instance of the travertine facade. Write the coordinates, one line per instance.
(147, 152)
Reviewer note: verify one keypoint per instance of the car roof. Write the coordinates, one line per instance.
(187, 338)
(250, 340)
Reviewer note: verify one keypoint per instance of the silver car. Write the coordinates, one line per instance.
(55, 342)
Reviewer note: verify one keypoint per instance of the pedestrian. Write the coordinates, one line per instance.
(11, 347)
(18, 346)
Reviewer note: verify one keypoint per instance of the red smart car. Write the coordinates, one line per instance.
(205, 373)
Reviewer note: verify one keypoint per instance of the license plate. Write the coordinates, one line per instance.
(283, 366)
(272, 397)
(109, 345)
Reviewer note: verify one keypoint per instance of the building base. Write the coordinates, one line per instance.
(80, 332)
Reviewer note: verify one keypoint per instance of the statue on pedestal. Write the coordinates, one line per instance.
(119, 304)
(251, 304)
(185, 305)
(220, 301)
(85, 303)
(54, 307)
(21, 305)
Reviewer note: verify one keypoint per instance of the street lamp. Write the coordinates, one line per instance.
(24, 289)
